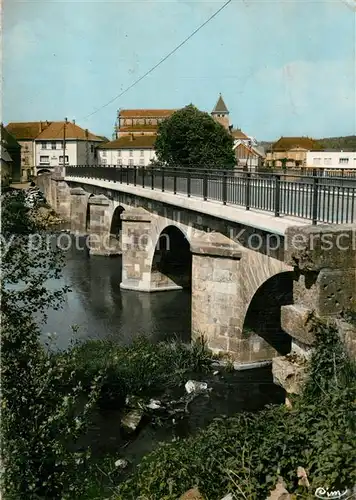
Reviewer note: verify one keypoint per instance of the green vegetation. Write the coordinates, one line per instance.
(245, 455)
(339, 143)
(48, 400)
(193, 139)
(140, 369)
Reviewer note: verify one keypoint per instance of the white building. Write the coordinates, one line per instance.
(331, 159)
(80, 146)
(128, 151)
(247, 156)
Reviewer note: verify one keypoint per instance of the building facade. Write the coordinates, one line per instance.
(25, 133)
(290, 152)
(127, 151)
(140, 121)
(331, 159)
(80, 146)
(247, 156)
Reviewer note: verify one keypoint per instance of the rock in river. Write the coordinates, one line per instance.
(194, 386)
(131, 420)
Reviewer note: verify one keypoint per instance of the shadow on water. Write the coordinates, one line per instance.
(101, 310)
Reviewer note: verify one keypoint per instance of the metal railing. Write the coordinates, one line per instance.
(329, 200)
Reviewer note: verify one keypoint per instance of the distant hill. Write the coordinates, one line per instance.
(347, 143)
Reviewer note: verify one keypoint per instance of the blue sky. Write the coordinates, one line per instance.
(284, 67)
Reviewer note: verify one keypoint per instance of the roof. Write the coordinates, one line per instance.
(238, 134)
(146, 113)
(287, 143)
(72, 131)
(26, 130)
(220, 106)
(250, 149)
(131, 142)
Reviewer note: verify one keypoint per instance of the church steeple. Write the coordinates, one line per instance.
(220, 112)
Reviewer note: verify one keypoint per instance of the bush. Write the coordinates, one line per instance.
(246, 454)
(38, 420)
(143, 368)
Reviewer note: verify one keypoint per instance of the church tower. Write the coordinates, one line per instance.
(220, 113)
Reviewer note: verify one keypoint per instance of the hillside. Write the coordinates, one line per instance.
(346, 143)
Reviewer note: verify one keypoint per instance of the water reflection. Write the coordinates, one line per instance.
(100, 309)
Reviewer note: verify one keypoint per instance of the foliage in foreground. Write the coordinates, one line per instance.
(140, 369)
(193, 139)
(245, 454)
(38, 420)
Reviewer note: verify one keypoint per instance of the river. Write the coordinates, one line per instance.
(99, 309)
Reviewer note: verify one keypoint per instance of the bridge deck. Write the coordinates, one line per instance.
(253, 217)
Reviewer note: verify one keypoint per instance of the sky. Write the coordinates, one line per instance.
(284, 67)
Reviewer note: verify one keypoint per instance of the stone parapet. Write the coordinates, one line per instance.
(313, 248)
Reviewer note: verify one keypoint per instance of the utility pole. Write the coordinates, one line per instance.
(64, 143)
(87, 147)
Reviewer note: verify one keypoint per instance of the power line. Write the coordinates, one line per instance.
(161, 61)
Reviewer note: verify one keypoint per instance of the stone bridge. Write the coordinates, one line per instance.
(254, 279)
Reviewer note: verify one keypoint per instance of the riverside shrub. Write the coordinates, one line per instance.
(245, 454)
(38, 419)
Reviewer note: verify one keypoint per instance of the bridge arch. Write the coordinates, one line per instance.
(116, 222)
(43, 171)
(263, 314)
(171, 261)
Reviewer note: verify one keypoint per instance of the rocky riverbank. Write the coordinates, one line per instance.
(48, 218)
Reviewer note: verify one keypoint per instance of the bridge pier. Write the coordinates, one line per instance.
(98, 225)
(78, 210)
(138, 248)
(219, 302)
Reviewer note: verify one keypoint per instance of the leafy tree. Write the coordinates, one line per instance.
(193, 139)
(41, 400)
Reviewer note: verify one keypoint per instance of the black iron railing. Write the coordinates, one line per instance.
(317, 198)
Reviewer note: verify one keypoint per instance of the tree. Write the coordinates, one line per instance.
(193, 139)
(41, 400)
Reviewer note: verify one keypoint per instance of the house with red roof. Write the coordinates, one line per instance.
(80, 146)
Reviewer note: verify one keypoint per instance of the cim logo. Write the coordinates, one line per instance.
(333, 494)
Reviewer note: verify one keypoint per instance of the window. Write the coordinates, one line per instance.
(119, 153)
(26, 160)
(104, 154)
(343, 160)
(53, 145)
(141, 152)
(327, 161)
(61, 159)
(142, 161)
(104, 161)
(44, 160)
(43, 145)
(119, 161)
(131, 162)
(92, 148)
(316, 161)
(131, 152)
